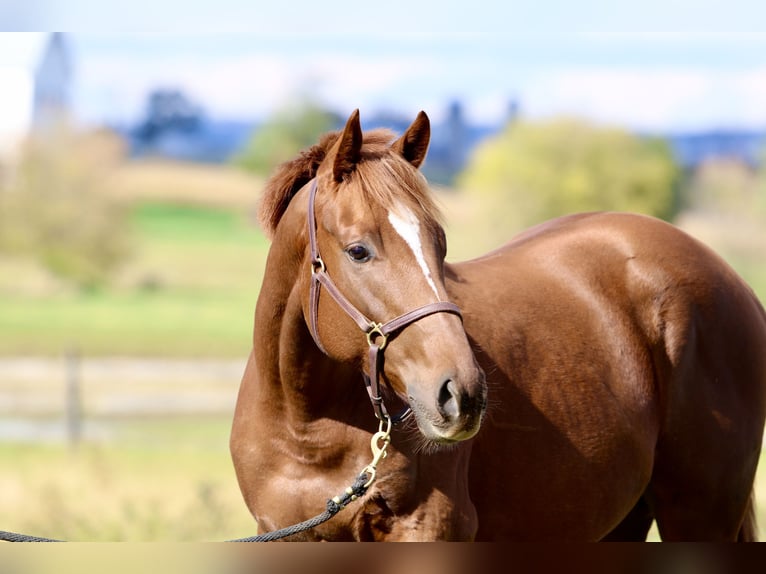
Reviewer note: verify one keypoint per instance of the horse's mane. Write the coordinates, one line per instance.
(385, 181)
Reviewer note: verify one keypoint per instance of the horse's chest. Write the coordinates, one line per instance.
(401, 505)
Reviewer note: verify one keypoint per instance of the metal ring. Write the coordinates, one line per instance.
(317, 266)
(375, 330)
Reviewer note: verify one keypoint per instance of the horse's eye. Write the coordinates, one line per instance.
(358, 253)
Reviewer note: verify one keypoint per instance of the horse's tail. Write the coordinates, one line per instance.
(748, 532)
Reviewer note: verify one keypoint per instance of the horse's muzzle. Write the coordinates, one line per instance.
(454, 410)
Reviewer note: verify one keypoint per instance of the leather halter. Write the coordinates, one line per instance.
(377, 333)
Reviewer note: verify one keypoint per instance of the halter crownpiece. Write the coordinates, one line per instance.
(377, 333)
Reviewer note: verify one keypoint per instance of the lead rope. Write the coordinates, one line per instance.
(378, 445)
(6, 536)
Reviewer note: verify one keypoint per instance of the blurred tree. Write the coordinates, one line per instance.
(54, 210)
(284, 135)
(533, 171)
(168, 110)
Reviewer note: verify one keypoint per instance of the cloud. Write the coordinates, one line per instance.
(651, 99)
(16, 108)
(238, 77)
(116, 86)
(247, 86)
(752, 89)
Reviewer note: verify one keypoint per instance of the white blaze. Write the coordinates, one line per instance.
(407, 225)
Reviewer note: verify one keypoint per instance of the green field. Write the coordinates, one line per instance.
(189, 289)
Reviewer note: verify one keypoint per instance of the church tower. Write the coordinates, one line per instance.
(53, 79)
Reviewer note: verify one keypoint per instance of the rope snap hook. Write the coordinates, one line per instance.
(378, 445)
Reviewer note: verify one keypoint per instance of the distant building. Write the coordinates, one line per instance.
(456, 136)
(452, 143)
(452, 140)
(52, 84)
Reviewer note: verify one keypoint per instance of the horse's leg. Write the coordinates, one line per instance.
(712, 386)
(635, 526)
(707, 453)
(703, 477)
(701, 514)
(748, 532)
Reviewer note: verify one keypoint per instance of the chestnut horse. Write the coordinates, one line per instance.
(625, 367)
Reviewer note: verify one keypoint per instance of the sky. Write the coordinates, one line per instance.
(651, 66)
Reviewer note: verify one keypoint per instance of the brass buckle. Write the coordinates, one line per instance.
(376, 330)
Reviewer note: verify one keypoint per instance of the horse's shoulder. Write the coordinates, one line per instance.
(584, 231)
(592, 248)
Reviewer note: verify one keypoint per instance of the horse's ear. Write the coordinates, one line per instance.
(413, 145)
(349, 148)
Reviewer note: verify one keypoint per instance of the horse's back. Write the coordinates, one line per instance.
(625, 360)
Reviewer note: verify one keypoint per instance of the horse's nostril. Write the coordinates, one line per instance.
(449, 405)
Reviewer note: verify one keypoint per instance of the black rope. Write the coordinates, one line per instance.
(14, 537)
(334, 505)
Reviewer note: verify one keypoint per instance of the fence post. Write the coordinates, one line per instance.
(73, 398)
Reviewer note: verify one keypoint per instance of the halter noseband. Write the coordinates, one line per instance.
(377, 333)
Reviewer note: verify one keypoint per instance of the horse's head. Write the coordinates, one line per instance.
(381, 243)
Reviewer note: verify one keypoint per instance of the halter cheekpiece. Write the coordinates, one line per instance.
(377, 333)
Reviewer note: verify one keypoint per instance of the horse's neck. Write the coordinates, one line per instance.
(297, 379)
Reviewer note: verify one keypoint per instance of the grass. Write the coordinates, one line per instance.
(188, 290)
(214, 324)
(158, 480)
(186, 248)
